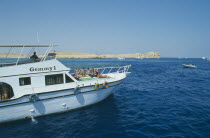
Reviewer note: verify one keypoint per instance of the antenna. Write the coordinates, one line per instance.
(37, 36)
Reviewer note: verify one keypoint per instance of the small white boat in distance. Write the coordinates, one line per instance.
(189, 66)
(121, 58)
(203, 58)
(139, 57)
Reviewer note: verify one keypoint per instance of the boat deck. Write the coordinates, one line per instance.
(25, 61)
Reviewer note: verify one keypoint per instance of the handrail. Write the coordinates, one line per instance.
(27, 56)
(45, 55)
(114, 67)
(20, 55)
(120, 69)
(103, 70)
(8, 52)
(30, 52)
(110, 70)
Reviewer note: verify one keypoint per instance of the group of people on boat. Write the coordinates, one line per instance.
(87, 73)
(5, 91)
(3, 95)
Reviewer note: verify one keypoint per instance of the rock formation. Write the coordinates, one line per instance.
(93, 55)
(90, 55)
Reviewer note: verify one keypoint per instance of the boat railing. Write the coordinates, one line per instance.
(109, 70)
(27, 59)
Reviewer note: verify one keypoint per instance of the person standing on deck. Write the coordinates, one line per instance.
(34, 57)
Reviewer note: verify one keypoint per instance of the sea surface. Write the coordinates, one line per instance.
(159, 98)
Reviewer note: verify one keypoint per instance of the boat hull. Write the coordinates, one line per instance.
(53, 105)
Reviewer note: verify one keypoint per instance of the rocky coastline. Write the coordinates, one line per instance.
(93, 55)
(89, 55)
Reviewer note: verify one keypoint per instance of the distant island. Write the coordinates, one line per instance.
(90, 55)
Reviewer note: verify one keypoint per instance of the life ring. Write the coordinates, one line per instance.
(77, 90)
(33, 97)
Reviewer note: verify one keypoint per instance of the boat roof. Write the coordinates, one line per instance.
(28, 45)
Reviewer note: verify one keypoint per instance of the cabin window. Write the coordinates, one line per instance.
(25, 81)
(68, 79)
(54, 79)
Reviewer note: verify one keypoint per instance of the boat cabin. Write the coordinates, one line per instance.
(32, 73)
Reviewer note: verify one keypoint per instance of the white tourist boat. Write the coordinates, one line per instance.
(189, 66)
(42, 86)
(121, 58)
(139, 57)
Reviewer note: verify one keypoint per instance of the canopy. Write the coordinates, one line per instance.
(28, 45)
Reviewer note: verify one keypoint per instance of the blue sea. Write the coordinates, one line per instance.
(159, 98)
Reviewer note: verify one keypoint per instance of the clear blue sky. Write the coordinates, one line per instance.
(171, 27)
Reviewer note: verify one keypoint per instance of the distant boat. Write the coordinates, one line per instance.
(203, 58)
(121, 58)
(139, 57)
(189, 66)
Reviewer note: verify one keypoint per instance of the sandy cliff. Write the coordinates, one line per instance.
(11, 55)
(93, 55)
(90, 55)
(75, 55)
